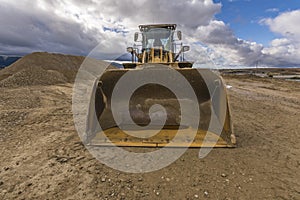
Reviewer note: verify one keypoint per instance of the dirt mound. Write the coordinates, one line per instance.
(41, 69)
(42, 156)
(34, 76)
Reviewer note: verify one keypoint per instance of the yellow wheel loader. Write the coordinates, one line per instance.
(158, 99)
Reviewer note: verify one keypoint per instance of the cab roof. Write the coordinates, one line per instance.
(151, 26)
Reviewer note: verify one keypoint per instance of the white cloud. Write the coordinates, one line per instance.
(272, 10)
(285, 24)
(226, 48)
(27, 26)
(284, 50)
(76, 26)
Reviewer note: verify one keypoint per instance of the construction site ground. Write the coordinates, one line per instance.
(42, 156)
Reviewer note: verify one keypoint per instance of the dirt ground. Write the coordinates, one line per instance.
(42, 156)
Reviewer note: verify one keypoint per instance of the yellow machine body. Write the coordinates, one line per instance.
(209, 88)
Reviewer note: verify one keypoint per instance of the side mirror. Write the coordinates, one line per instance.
(136, 36)
(185, 48)
(129, 49)
(179, 35)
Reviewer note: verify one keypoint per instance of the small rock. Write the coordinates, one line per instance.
(196, 196)
(80, 158)
(167, 179)
(6, 168)
(51, 164)
(223, 175)
(205, 193)
(157, 193)
(140, 179)
(143, 195)
(103, 179)
(139, 190)
(128, 181)
(62, 159)
(29, 184)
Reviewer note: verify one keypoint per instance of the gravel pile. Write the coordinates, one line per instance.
(34, 76)
(41, 68)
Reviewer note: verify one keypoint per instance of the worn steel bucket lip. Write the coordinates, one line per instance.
(121, 139)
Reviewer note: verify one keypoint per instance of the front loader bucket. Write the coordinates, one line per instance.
(212, 129)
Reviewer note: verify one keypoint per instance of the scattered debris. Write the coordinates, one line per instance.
(206, 193)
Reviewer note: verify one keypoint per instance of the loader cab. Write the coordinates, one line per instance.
(158, 38)
(158, 43)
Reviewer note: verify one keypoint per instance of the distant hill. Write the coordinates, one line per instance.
(7, 60)
(124, 57)
(42, 68)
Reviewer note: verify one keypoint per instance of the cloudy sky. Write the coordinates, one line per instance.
(227, 32)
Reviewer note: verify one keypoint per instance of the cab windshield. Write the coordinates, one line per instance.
(158, 37)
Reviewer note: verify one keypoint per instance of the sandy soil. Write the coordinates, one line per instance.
(42, 156)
